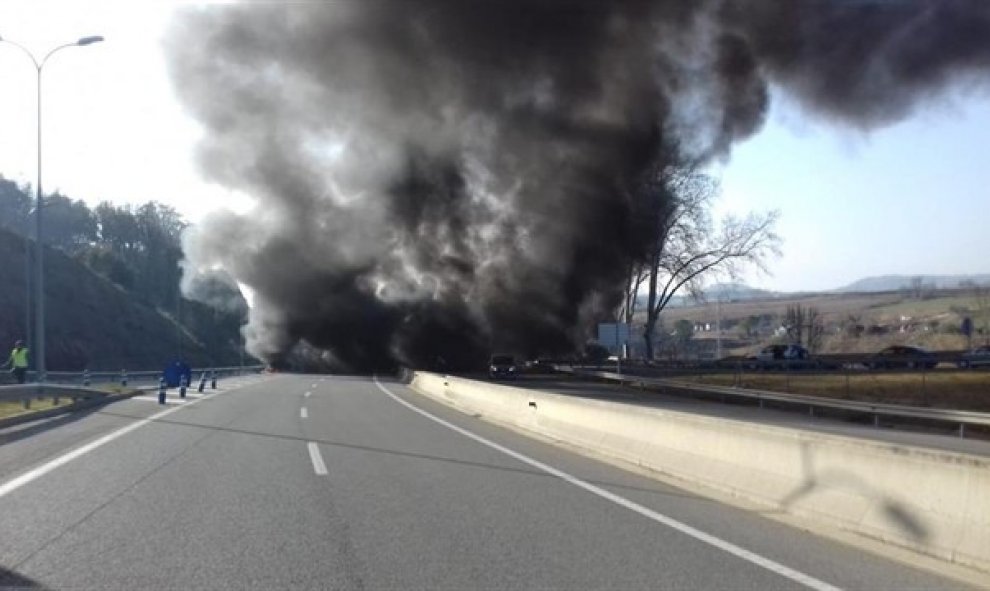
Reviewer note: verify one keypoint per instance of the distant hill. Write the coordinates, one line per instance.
(96, 324)
(726, 292)
(896, 282)
(736, 292)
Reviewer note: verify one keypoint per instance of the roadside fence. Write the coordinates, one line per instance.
(960, 419)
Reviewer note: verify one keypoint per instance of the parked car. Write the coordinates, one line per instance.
(779, 356)
(978, 357)
(782, 353)
(502, 366)
(902, 356)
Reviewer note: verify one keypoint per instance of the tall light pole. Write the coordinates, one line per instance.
(39, 269)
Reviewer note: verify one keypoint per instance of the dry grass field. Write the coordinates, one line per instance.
(932, 322)
(9, 409)
(968, 390)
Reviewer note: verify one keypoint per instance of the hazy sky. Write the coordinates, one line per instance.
(912, 198)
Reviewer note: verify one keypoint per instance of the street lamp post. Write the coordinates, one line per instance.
(39, 277)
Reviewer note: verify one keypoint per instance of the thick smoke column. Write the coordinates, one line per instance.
(451, 177)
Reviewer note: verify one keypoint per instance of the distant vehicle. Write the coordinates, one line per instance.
(780, 356)
(902, 356)
(502, 366)
(782, 353)
(540, 364)
(977, 357)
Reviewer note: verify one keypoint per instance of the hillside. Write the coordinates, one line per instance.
(897, 282)
(852, 322)
(95, 324)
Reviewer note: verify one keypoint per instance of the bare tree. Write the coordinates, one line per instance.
(637, 274)
(981, 311)
(805, 326)
(917, 287)
(687, 245)
(795, 321)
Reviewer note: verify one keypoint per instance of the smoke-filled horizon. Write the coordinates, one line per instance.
(448, 178)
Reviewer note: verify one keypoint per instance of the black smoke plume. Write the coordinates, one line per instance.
(446, 178)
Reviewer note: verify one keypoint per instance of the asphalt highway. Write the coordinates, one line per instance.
(319, 482)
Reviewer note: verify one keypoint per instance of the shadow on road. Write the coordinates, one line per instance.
(11, 580)
(414, 455)
(18, 432)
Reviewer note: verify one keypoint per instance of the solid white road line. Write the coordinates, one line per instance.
(154, 398)
(35, 473)
(303, 413)
(752, 557)
(314, 454)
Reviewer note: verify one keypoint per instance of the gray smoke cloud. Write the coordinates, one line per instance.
(451, 177)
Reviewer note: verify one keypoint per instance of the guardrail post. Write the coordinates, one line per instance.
(213, 379)
(86, 378)
(161, 390)
(962, 430)
(182, 386)
(876, 421)
(811, 411)
(27, 403)
(202, 382)
(123, 378)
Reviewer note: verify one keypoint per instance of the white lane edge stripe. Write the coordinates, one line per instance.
(729, 547)
(314, 455)
(303, 413)
(39, 471)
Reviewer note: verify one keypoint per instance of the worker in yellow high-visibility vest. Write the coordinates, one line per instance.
(18, 361)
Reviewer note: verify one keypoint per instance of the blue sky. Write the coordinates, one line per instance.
(912, 198)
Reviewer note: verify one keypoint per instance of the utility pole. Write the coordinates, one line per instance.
(39, 273)
(718, 325)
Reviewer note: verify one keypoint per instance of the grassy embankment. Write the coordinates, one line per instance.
(16, 407)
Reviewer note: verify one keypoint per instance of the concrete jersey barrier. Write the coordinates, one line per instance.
(931, 501)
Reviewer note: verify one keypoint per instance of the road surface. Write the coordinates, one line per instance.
(324, 482)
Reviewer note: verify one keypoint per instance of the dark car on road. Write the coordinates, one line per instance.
(780, 356)
(978, 357)
(902, 356)
(501, 367)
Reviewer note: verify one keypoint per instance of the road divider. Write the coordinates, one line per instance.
(930, 501)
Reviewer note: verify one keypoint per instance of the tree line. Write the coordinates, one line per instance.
(136, 247)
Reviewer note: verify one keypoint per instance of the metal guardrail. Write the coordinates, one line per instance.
(133, 378)
(77, 385)
(940, 362)
(961, 418)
